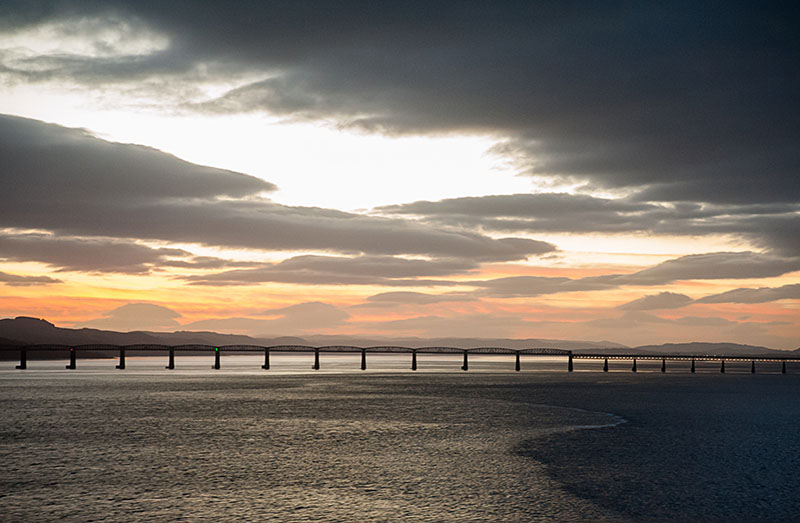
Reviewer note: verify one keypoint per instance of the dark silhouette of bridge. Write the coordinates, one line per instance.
(570, 356)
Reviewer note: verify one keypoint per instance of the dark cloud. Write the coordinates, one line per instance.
(102, 254)
(66, 182)
(80, 254)
(759, 295)
(45, 165)
(136, 316)
(662, 300)
(772, 226)
(17, 280)
(342, 270)
(693, 101)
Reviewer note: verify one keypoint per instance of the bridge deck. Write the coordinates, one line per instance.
(612, 354)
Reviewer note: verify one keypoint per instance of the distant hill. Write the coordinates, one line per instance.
(360, 341)
(717, 349)
(28, 331)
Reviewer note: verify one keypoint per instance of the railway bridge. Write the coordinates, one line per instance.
(172, 350)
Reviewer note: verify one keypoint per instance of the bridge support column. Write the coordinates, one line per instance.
(633, 369)
(72, 364)
(569, 363)
(722, 367)
(663, 365)
(517, 366)
(783, 368)
(605, 365)
(216, 358)
(171, 364)
(465, 366)
(692, 365)
(121, 365)
(363, 359)
(23, 360)
(753, 367)
(265, 366)
(413, 360)
(316, 360)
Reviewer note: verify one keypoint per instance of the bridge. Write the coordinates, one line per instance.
(172, 350)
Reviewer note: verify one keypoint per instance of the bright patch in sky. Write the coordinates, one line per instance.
(312, 164)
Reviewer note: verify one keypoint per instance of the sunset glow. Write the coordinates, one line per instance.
(369, 186)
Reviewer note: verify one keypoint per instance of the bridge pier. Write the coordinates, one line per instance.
(752, 366)
(633, 369)
(722, 367)
(265, 366)
(692, 365)
(171, 364)
(316, 360)
(663, 365)
(783, 368)
(216, 358)
(605, 365)
(413, 360)
(121, 365)
(23, 360)
(72, 364)
(517, 366)
(363, 359)
(569, 363)
(465, 366)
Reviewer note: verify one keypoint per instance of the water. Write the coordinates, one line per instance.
(291, 444)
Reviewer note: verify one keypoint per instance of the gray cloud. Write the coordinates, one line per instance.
(772, 226)
(66, 182)
(80, 254)
(680, 102)
(19, 281)
(102, 254)
(136, 316)
(415, 298)
(342, 270)
(759, 295)
(662, 300)
(711, 266)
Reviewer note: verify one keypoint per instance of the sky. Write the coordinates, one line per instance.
(623, 172)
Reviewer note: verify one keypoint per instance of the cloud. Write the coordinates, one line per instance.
(102, 254)
(342, 270)
(17, 280)
(136, 316)
(710, 266)
(772, 226)
(760, 295)
(713, 266)
(80, 254)
(125, 191)
(662, 300)
(301, 318)
(679, 104)
(414, 298)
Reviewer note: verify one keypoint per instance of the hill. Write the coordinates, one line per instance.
(28, 331)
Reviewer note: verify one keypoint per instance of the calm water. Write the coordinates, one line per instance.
(289, 444)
